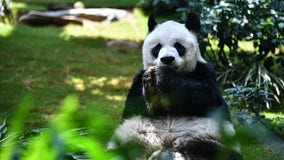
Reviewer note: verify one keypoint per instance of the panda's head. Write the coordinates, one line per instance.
(172, 44)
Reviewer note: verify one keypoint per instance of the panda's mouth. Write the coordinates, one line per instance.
(171, 66)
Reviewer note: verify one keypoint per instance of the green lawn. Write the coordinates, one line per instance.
(90, 3)
(52, 62)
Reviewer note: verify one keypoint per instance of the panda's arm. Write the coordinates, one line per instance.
(135, 102)
(193, 87)
(198, 81)
(197, 89)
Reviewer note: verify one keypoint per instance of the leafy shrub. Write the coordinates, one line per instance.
(64, 138)
(248, 102)
(244, 39)
(3, 129)
(251, 99)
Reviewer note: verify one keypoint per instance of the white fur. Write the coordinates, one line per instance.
(175, 155)
(153, 133)
(136, 129)
(167, 34)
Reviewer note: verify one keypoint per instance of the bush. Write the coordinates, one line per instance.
(244, 39)
(248, 102)
(74, 134)
(64, 137)
(251, 99)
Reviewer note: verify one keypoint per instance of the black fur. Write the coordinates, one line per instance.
(209, 150)
(192, 23)
(191, 94)
(151, 23)
(155, 51)
(180, 48)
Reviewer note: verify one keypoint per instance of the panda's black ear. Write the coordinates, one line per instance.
(192, 23)
(151, 23)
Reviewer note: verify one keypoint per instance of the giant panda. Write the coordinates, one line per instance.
(171, 105)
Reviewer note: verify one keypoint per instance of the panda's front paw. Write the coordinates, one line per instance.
(150, 88)
(150, 82)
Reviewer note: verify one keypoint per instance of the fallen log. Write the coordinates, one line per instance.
(79, 16)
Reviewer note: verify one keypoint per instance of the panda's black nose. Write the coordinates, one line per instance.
(168, 60)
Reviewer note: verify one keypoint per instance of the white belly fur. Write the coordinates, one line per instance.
(170, 131)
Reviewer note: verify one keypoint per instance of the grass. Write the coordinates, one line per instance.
(51, 63)
(91, 3)
(273, 115)
(258, 152)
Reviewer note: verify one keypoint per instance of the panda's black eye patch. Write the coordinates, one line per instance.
(180, 48)
(155, 51)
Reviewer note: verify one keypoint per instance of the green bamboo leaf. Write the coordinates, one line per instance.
(249, 76)
(3, 129)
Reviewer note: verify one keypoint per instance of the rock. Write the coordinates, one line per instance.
(122, 45)
(77, 15)
(79, 4)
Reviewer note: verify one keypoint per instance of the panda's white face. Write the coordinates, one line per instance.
(171, 44)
